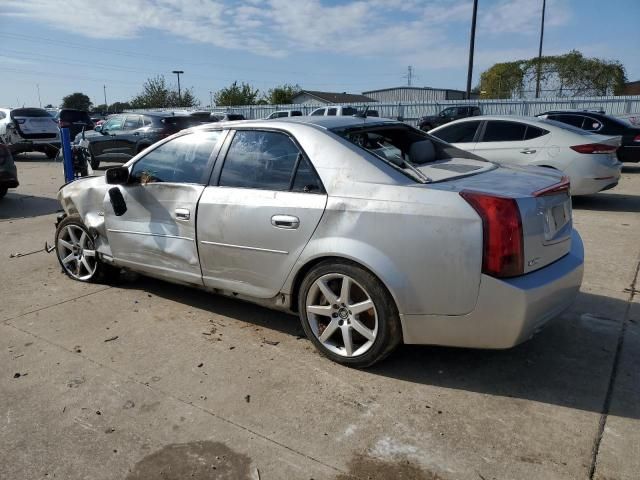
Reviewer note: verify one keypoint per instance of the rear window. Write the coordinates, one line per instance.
(29, 112)
(74, 116)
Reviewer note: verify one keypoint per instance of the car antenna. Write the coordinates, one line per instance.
(362, 114)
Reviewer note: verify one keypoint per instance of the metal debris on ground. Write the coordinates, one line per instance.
(111, 339)
(270, 342)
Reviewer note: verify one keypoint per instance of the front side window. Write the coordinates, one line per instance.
(132, 122)
(498, 131)
(463, 132)
(260, 159)
(113, 124)
(332, 111)
(181, 160)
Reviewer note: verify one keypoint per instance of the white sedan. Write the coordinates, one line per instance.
(588, 159)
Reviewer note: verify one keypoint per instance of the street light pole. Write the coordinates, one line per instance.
(211, 98)
(106, 105)
(39, 101)
(544, 4)
(472, 42)
(178, 72)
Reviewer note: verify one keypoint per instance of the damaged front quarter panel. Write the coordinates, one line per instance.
(86, 198)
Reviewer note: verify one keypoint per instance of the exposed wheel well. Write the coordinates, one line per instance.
(141, 147)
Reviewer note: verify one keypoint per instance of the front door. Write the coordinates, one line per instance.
(157, 233)
(254, 222)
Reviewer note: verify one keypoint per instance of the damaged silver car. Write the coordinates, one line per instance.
(370, 230)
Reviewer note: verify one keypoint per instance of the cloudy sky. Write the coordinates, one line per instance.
(330, 45)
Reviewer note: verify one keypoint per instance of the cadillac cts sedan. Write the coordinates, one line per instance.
(372, 231)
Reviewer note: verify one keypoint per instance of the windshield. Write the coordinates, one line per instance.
(401, 146)
(566, 126)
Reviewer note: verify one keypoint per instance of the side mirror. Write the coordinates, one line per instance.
(98, 128)
(117, 176)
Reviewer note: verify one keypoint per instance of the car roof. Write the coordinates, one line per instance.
(505, 118)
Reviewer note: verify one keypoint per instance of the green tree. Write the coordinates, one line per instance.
(156, 93)
(571, 74)
(282, 94)
(48, 105)
(119, 107)
(77, 100)
(235, 94)
(99, 108)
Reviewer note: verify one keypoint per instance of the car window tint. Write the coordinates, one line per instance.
(573, 120)
(258, 159)
(591, 124)
(2, 115)
(449, 112)
(131, 123)
(146, 121)
(458, 132)
(497, 131)
(534, 132)
(296, 113)
(181, 160)
(332, 111)
(306, 179)
(114, 123)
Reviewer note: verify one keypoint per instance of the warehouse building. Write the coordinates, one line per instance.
(314, 97)
(415, 94)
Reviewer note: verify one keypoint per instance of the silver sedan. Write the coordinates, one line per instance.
(373, 232)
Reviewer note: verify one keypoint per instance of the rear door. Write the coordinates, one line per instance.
(511, 142)
(259, 212)
(157, 233)
(460, 134)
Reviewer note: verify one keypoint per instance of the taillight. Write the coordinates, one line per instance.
(636, 138)
(594, 148)
(560, 187)
(503, 245)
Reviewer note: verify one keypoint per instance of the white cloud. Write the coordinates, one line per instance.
(420, 32)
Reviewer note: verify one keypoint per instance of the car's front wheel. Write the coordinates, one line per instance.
(348, 314)
(76, 252)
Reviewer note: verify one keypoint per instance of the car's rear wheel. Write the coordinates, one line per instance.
(51, 153)
(75, 249)
(348, 314)
(95, 163)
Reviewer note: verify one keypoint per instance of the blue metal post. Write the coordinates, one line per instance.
(67, 155)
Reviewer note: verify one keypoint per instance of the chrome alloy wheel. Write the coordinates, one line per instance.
(76, 252)
(342, 315)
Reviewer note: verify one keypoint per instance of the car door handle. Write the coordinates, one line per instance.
(136, 133)
(527, 151)
(285, 221)
(183, 214)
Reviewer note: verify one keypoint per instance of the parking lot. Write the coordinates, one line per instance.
(148, 380)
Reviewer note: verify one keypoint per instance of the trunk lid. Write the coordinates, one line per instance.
(33, 123)
(545, 212)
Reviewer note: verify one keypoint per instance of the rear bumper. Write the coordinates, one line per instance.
(508, 311)
(36, 145)
(592, 175)
(8, 180)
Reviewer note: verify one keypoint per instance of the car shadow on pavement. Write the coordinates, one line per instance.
(568, 364)
(607, 202)
(631, 168)
(18, 205)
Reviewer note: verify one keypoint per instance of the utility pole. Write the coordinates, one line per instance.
(472, 42)
(544, 4)
(210, 98)
(39, 101)
(106, 105)
(409, 75)
(178, 72)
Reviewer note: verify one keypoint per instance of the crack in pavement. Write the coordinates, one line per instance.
(171, 396)
(613, 376)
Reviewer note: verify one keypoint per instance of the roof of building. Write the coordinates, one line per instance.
(333, 97)
(406, 87)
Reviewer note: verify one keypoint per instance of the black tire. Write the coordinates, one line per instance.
(103, 273)
(141, 148)
(426, 127)
(3, 191)
(51, 153)
(389, 333)
(95, 163)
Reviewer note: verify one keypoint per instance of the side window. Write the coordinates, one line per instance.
(458, 132)
(259, 159)
(534, 132)
(182, 160)
(449, 112)
(591, 124)
(318, 112)
(497, 131)
(332, 111)
(113, 124)
(2, 116)
(146, 121)
(306, 179)
(574, 120)
(476, 112)
(132, 122)
(296, 113)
